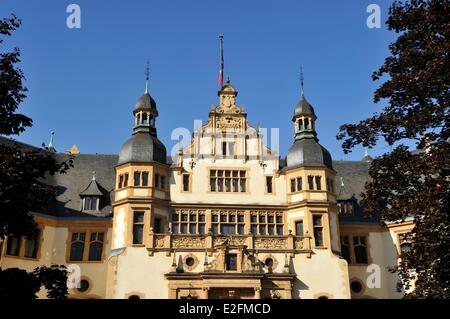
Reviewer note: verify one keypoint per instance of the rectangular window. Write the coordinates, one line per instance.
(186, 178)
(125, 181)
(188, 221)
(31, 246)
(266, 223)
(144, 178)
(224, 148)
(96, 246)
(360, 249)
(120, 181)
(318, 183)
(227, 181)
(77, 246)
(157, 225)
(292, 185)
(156, 180)
(13, 246)
(318, 230)
(311, 182)
(269, 185)
(299, 184)
(138, 228)
(299, 228)
(137, 178)
(231, 262)
(163, 182)
(230, 147)
(90, 203)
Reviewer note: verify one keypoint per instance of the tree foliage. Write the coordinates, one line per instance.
(22, 174)
(18, 284)
(406, 183)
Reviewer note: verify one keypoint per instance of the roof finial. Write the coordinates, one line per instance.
(147, 73)
(302, 80)
(50, 144)
(342, 182)
(93, 175)
(366, 151)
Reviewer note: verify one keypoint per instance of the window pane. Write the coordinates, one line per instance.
(93, 236)
(175, 228)
(254, 230)
(299, 183)
(240, 218)
(201, 218)
(215, 229)
(346, 253)
(269, 184)
(137, 233)
(318, 183)
(227, 185)
(292, 185)
(192, 217)
(185, 182)
(100, 237)
(74, 236)
(192, 229)
(30, 248)
(270, 219)
(137, 178)
(175, 217)
(13, 246)
(220, 185)
(227, 173)
(262, 218)
(235, 185)
(184, 217)
(361, 254)
(262, 229)
(232, 218)
(82, 237)
(201, 229)
(223, 218)
(279, 219)
(145, 179)
(157, 225)
(317, 220)
(183, 229)
(163, 181)
(318, 237)
(215, 218)
(243, 185)
(279, 230)
(231, 261)
(95, 251)
(76, 251)
(242, 173)
(241, 229)
(310, 183)
(138, 217)
(157, 180)
(299, 228)
(212, 184)
(235, 173)
(271, 230)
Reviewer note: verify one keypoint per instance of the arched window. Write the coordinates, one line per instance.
(138, 119)
(307, 124)
(300, 124)
(77, 246)
(135, 297)
(90, 203)
(144, 118)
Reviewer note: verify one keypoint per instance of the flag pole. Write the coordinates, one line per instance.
(221, 60)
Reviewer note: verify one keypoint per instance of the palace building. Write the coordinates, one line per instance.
(224, 218)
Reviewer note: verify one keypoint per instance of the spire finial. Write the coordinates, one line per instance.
(302, 80)
(93, 175)
(147, 74)
(50, 144)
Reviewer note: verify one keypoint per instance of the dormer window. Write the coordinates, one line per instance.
(90, 203)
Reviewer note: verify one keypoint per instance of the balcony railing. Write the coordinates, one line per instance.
(187, 242)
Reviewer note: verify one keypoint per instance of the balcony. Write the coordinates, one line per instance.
(189, 243)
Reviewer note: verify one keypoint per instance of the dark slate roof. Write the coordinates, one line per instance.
(69, 186)
(142, 147)
(92, 190)
(354, 175)
(308, 152)
(145, 102)
(303, 107)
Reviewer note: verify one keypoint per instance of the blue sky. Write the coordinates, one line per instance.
(83, 83)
